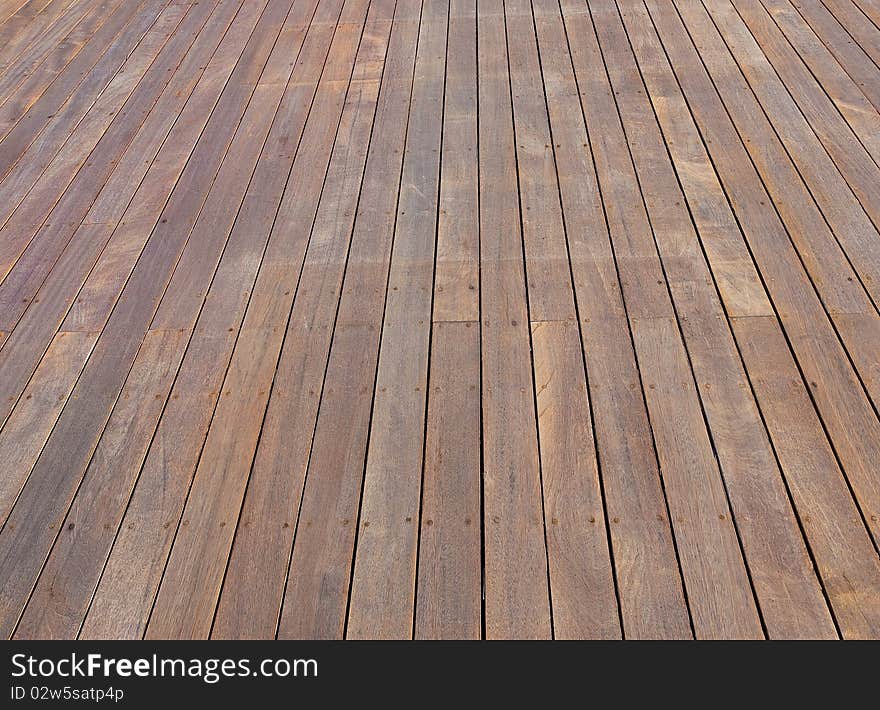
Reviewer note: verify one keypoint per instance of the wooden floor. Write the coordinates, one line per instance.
(440, 318)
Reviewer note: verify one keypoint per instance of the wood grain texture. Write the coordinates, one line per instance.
(439, 319)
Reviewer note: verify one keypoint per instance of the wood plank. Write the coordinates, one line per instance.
(833, 276)
(93, 517)
(861, 115)
(719, 594)
(195, 393)
(448, 596)
(860, 28)
(250, 600)
(34, 415)
(43, 314)
(73, 270)
(29, 30)
(12, 8)
(847, 561)
(457, 277)
(581, 578)
(32, 204)
(385, 565)
(60, 614)
(435, 319)
(61, 40)
(49, 121)
(842, 180)
(848, 53)
(168, 476)
(871, 9)
(517, 595)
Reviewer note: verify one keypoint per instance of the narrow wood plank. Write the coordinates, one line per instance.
(517, 603)
(12, 8)
(49, 121)
(457, 277)
(318, 579)
(842, 180)
(93, 517)
(861, 115)
(847, 560)
(860, 28)
(135, 208)
(581, 580)
(168, 475)
(448, 598)
(546, 252)
(648, 577)
(847, 52)
(44, 313)
(871, 9)
(111, 206)
(384, 576)
(30, 29)
(833, 276)
(35, 195)
(60, 41)
(719, 593)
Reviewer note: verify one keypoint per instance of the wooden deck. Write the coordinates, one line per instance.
(440, 318)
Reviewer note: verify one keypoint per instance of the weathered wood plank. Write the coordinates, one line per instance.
(517, 594)
(448, 597)
(384, 575)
